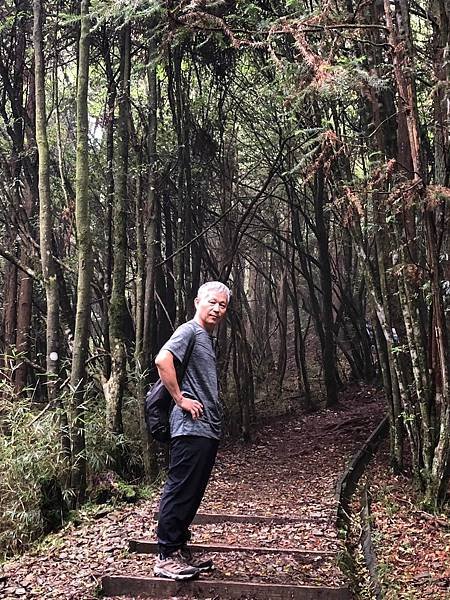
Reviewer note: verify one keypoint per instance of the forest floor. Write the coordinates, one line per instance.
(412, 547)
(290, 469)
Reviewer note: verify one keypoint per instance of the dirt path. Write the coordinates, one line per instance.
(290, 470)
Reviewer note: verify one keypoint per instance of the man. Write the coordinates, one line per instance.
(195, 430)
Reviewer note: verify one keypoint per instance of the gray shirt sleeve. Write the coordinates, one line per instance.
(179, 341)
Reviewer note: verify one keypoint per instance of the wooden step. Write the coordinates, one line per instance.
(232, 518)
(147, 547)
(125, 585)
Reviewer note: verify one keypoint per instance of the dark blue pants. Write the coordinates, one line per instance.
(191, 461)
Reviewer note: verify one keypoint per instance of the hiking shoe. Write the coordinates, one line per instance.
(174, 567)
(198, 560)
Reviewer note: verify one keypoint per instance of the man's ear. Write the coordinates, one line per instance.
(196, 301)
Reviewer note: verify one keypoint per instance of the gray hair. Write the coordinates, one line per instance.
(214, 286)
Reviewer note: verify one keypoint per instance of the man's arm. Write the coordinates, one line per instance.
(166, 369)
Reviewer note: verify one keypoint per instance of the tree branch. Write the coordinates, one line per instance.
(15, 261)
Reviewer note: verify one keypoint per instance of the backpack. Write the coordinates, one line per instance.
(158, 402)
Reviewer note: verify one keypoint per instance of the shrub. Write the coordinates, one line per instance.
(32, 467)
(33, 498)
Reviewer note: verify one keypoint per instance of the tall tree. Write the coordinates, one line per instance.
(146, 263)
(83, 312)
(118, 320)
(45, 207)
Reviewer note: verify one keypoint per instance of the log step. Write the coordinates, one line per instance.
(146, 547)
(124, 585)
(223, 518)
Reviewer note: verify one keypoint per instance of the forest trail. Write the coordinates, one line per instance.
(268, 515)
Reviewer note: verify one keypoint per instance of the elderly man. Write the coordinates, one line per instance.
(195, 430)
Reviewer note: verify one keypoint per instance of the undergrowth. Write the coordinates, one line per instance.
(34, 493)
(30, 460)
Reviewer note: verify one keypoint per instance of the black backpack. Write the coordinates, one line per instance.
(158, 402)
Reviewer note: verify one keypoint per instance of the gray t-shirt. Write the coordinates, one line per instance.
(199, 382)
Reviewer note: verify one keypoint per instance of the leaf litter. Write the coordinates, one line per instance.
(289, 470)
(412, 546)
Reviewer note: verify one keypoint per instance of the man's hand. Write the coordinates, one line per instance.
(194, 407)
(166, 370)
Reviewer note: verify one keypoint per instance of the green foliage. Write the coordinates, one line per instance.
(119, 13)
(33, 494)
(30, 463)
(294, 4)
(108, 487)
(103, 447)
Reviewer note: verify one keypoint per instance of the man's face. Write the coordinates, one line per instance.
(211, 307)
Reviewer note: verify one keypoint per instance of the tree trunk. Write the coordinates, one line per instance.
(242, 363)
(24, 306)
(177, 106)
(81, 341)
(386, 358)
(45, 209)
(144, 351)
(300, 349)
(433, 395)
(440, 472)
(282, 316)
(441, 65)
(109, 176)
(329, 344)
(114, 386)
(9, 324)
(140, 264)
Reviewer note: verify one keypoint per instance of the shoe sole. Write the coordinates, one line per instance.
(205, 569)
(176, 577)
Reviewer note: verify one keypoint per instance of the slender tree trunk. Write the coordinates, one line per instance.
(109, 175)
(24, 305)
(177, 106)
(81, 341)
(114, 386)
(387, 362)
(300, 350)
(440, 468)
(282, 314)
(144, 351)
(382, 108)
(18, 89)
(151, 240)
(441, 65)
(242, 363)
(9, 324)
(140, 263)
(45, 208)
(28, 200)
(169, 298)
(329, 344)
(305, 267)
